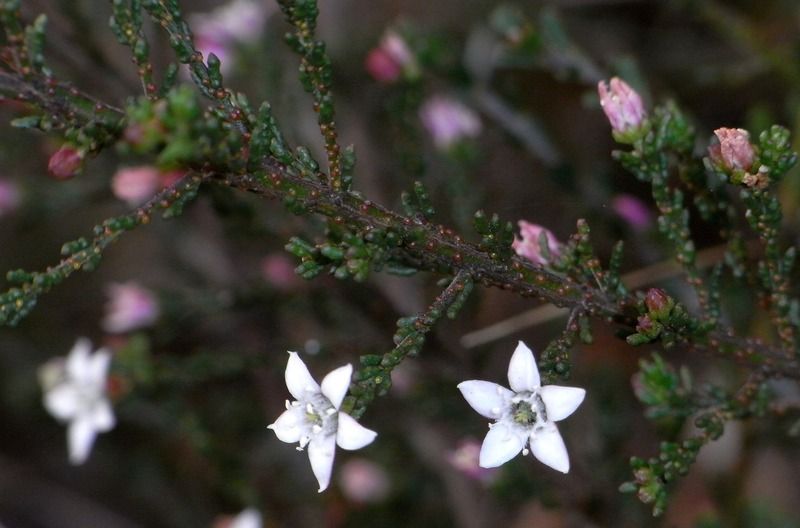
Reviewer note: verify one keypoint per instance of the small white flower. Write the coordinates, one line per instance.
(524, 415)
(75, 392)
(314, 418)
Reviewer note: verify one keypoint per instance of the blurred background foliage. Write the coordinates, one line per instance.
(199, 386)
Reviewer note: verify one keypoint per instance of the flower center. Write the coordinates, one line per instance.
(527, 409)
(320, 414)
(523, 413)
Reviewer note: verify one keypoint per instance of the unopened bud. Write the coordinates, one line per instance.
(658, 303)
(735, 151)
(645, 325)
(65, 163)
(622, 105)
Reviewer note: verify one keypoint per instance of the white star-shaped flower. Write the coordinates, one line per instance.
(75, 392)
(314, 418)
(525, 415)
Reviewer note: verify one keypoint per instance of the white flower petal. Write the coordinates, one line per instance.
(501, 444)
(80, 437)
(560, 402)
(321, 451)
(63, 401)
(289, 426)
(97, 368)
(102, 416)
(523, 375)
(298, 379)
(351, 434)
(336, 383)
(487, 398)
(548, 446)
(78, 359)
(249, 518)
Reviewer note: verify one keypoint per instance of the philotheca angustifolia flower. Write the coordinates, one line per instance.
(524, 416)
(75, 392)
(314, 419)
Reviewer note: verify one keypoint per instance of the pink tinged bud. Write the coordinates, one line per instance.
(465, 459)
(218, 32)
(363, 481)
(633, 211)
(715, 154)
(65, 163)
(622, 105)
(10, 197)
(390, 59)
(208, 44)
(657, 301)
(735, 150)
(529, 246)
(394, 46)
(278, 271)
(136, 185)
(644, 324)
(130, 307)
(382, 67)
(448, 121)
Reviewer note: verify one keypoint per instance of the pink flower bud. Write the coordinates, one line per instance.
(395, 46)
(448, 121)
(381, 66)
(278, 270)
(10, 197)
(633, 211)
(465, 458)
(363, 481)
(130, 307)
(622, 105)
(135, 185)
(218, 31)
(65, 163)
(735, 150)
(391, 58)
(658, 302)
(644, 324)
(529, 247)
